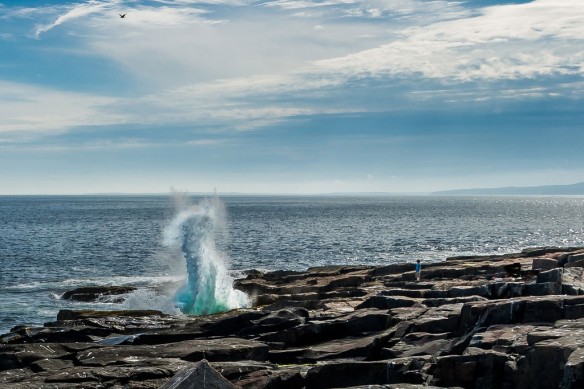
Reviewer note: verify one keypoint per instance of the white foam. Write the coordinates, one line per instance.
(149, 299)
(209, 287)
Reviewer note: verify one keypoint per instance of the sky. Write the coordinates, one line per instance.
(289, 96)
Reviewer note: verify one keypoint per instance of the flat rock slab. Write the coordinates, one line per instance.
(221, 349)
(201, 375)
(93, 293)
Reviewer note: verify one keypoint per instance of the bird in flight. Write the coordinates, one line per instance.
(122, 15)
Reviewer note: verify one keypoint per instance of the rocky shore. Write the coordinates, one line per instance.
(508, 321)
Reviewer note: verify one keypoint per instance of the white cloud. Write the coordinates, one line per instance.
(77, 11)
(504, 42)
(298, 4)
(253, 71)
(26, 108)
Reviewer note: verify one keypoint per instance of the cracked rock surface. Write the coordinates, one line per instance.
(504, 321)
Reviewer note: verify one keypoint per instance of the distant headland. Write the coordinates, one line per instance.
(545, 190)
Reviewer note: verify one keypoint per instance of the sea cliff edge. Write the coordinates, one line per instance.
(500, 321)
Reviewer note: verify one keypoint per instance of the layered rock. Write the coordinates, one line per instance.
(502, 321)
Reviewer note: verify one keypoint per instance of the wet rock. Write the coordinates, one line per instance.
(94, 293)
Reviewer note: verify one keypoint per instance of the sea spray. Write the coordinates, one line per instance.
(209, 287)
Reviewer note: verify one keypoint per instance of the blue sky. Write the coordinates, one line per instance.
(289, 96)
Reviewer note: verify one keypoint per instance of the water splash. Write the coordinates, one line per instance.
(208, 288)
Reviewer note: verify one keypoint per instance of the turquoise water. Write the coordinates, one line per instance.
(52, 244)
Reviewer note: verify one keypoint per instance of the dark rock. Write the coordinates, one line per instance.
(494, 321)
(504, 338)
(579, 263)
(413, 293)
(234, 370)
(444, 318)
(466, 291)
(500, 290)
(93, 293)
(542, 310)
(544, 263)
(482, 369)
(67, 314)
(544, 364)
(417, 344)
(542, 289)
(289, 377)
(574, 258)
(554, 275)
(573, 281)
(437, 302)
(201, 375)
(513, 269)
(22, 355)
(540, 251)
(51, 365)
(573, 377)
(221, 349)
(385, 302)
(346, 373)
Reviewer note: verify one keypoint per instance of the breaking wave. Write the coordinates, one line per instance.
(209, 287)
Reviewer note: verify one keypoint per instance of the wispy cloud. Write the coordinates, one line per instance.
(26, 108)
(274, 66)
(504, 42)
(77, 11)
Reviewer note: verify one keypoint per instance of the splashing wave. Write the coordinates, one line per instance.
(209, 287)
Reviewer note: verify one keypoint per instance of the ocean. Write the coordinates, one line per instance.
(51, 244)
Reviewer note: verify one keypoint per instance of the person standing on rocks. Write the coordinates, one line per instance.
(418, 269)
